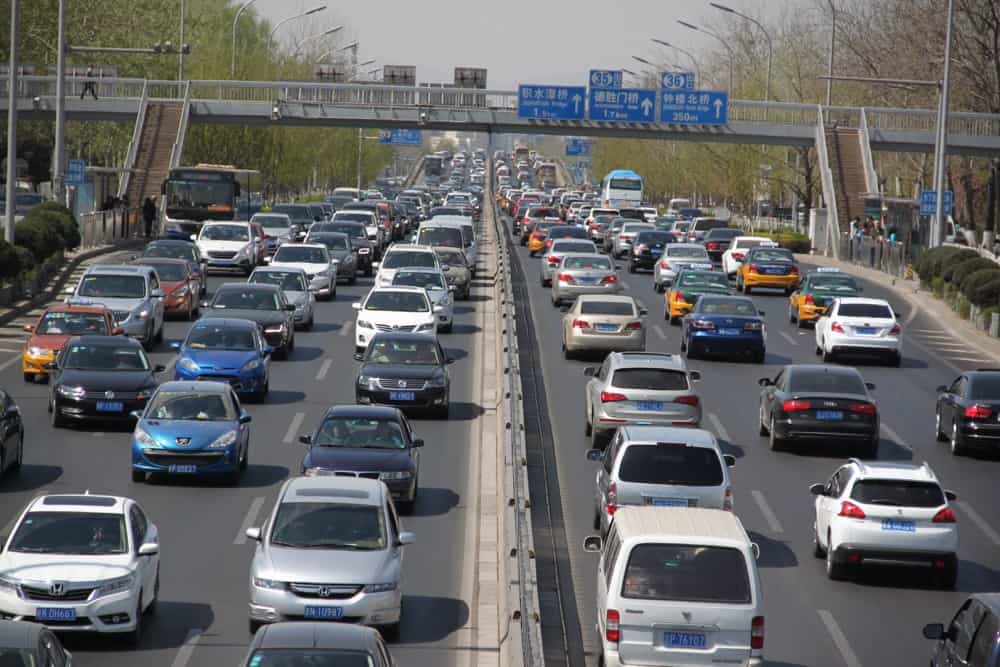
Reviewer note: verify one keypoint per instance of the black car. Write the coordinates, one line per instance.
(647, 248)
(11, 435)
(972, 638)
(302, 643)
(369, 441)
(363, 248)
(261, 303)
(404, 369)
(716, 241)
(968, 411)
(299, 214)
(816, 402)
(173, 249)
(100, 378)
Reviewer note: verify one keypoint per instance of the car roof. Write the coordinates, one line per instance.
(398, 288)
(409, 247)
(862, 300)
(203, 386)
(677, 246)
(250, 286)
(220, 223)
(76, 308)
(693, 525)
(19, 634)
(97, 340)
(647, 359)
(299, 634)
(697, 437)
(279, 269)
(752, 238)
(170, 242)
(79, 502)
(605, 298)
(822, 368)
(894, 470)
(350, 410)
(420, 269)
(120, 269)
(349, 490)
(148, 261)
(305, 245)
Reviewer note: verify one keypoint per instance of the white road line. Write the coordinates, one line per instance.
(839, 639)
(894, 436)
(979, 360)
(929, 331)
(9, 349)
(294, 427)
(720, 430)
(791, 340)
(324, 368)
(659, 331)
(10, 362)
(184, 653)
(765, 509)
(949, 346)
(980, 522)
(345, 328)
(249, 520)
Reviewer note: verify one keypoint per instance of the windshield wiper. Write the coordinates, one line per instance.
(353, 546)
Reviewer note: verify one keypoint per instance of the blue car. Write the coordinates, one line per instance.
(191, 428)
(226, 350)
(724, 325)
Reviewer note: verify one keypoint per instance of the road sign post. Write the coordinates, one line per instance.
(928, 202)
(697, 107)
(75, 172)
(551, 102)
(632, 105)
(577, 147)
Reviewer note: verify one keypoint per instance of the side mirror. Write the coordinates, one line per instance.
(942, 389)
(729, 459)
(268, 350)
(695, 376)
(149, 549)
(135, 414)
(590, 371)
(643, 312)
(950, 495)
(159, 368)
(51, 365)
(253, 534)
(267, 260)
(449, 360)
(245, 417)
(118, 331)
(437, 309)
(375, 265)
(69, 289)
(593, 544)
(817, 489)
(563, 309)
(765, 382)
(870, 386)
(359, 356)
(290, 307)
(756, 550)
(417, 442)
(595, 454)
(761, 313)
(356, 305)
(306, 439)
(28, 327)
(935, 631)
(206, 304)
(405, 538)
(157, 294)
(175, 345)
(194, 237)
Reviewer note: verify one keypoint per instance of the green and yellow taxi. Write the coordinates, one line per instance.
(691, 282)
(815, 291)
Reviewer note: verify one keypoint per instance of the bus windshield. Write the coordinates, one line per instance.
(200, 200)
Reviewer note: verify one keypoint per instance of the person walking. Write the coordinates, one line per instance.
(149, 215)
(89, 85)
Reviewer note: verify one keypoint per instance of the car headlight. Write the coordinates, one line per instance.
(268, 583)
(396, 474)
(381, 588)
(143, 312)
(427, 326)
(440, 381)
(275, 328)
(144, 438)
(38, 352)
(71, 391)
(444, 301)
(143, 394)
(365, 324)
(251, 365)
(8, 586)
(183, 291)
(224, 440)
(368, 382)
(316, 472)
(118, 585)
(188, 364)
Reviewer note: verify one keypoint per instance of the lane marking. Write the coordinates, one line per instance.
(765, 509)
(345, 328)
(324, 368)
(10, 362)
(249, 520)
(929, 331)
(894, 436)
(980, 522)
(184, 653)
(294, 427)
(788, 338)
(717, 426)
(974, 359)
(659, 331)
(8, 349)
(839, 639)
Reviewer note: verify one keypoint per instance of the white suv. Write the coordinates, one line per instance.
(81, 563)
(885, 512)
(853, 325)
(404, 256)
(399, 308)
(228, 245)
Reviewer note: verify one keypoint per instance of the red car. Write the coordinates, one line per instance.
(179, 282)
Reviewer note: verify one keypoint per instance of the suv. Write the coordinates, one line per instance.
(229, 245)
(972, 637)
(885, 512)
(639, 388)
(404, 256)
(701, 226)
(131, 292)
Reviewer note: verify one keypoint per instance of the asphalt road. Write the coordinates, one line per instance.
(810, 621)
(201, 619)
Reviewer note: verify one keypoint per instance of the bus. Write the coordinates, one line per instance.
(545, 175)
(621, 188)
(521, 153)
(192, 195)
(433, 166)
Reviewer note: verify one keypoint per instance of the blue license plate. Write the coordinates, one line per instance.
(649, 405)
(656, 251)
(402, 396)
(55, 614)
(830, 415)
(323, 612)
(609, 328)
(110, 406)
(586, 281)
(669, 502)
(867, 331)
(730, 332)
(775, 271)
(683, 640)
(899, 525)
(182, 469)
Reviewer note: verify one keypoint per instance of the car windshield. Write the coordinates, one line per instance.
(331, 241)
(870, 310)
(587, 263)
(686, 573)
(297, 253)
(565, 232)
(722, 234)
(403, 258)
(633, 228)
(363, 217)
(354, 230)
(286, 280)
(111, 286)
(404, 352)
(360, 432)
(208, 337)
(728, 307)
(225, 233)
(450, 237)
(772, 255)
(170, 250)
(985, 386)
(704, 279)
(424, 279)
(273, 222)
(745, 244)
(293, 211)
(310, 657)
(451, 258)
(70, 533)
(681, 226)
(834, 284)
(690, 251)
(622, 308)
(671, 463)
(825, 382)
(72, 324)
(85, 357)
(169, 271)
(651, 379)
(17, 657)
(246, 299)
(406, 302)
(898, 493)
(654, 238)
(190, 405)
(329, 526)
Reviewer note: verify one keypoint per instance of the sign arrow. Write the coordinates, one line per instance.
(647, 106)
(718, 108)
(576, 103)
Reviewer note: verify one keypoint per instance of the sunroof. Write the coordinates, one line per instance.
(332, 493)
(92, 501)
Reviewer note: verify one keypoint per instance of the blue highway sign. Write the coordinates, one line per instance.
(551, 102)
(677, 81)
(576, 146)
(605, 78)
(697, 107)
(625, 104)
(75, 172)
(400, 137)
(928, 202)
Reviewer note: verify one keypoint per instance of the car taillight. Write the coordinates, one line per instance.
(753, 326)
(553, 260)
(945, 516)
(678, 296)
(665, 265)
(738, 256)
(564, 278)
(633, 326)
(705, 325)
(753, 268)
(688, 400)
(607, 280)
(641, 247)
(794, 270)
(611, 620)
(712, 245)
(895, 330)
(612, 397)
(809, 300)
(612, 505)
(757, 633)
(727, 501)
(581, 324)
(548, 244)
(978, 412)
(850, 510)
(795, 405)
(837, 327)
(862, 408)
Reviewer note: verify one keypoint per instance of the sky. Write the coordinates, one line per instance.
(518, 41)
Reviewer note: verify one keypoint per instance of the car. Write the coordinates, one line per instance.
(301, 643)
(300, 215)
(12, 435)
(177, 249)
(407, 370)
(882, 512)
(278, 230)
(675, 257)
(679, 228)
(438, 290)
(966, 412)
(368, 441)
(815, 291)
(315, 260)
(717, 240)
(374, 232)
(972, 635)
(399, 309)
(404, 256)
(180, 283)
(768, 266)
(538, 233)
(263, 304)
(627, 233)
(647, 248)
(378, 226)
(853, 325)
(611, 232)
(226, 350)
(598, 322)
(331, 550)
(661, 466)
(228, 245)
(364, 252)
(338, 245)
(131, 293)
(194, 429)
(579, 274)
(596, 229)
(100, 378)
(720, 324)
(691, 282)
(737, 250)
(814, 402)
(107, 586)
(700, 226)
(644, 388)
(456, 271)
(24, 644)
(56, 325)
(552, 257)
(294, 282)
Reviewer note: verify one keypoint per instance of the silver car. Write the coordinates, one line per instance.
(456, 270)
(584, 274)
(603, 323)
(642, 388)
(131, 292)
(331, 550)
(554, 253)
(675, 257)
(611, 233)
(628, 232)
(295, 284)
(339, 246)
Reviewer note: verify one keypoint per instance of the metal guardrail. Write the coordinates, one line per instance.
(871, 178)
(886, 256)
(133, 144)
(177, 150)
(826, 179)
(101, 228)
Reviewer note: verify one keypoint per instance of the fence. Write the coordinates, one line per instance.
(106, 227)
(887, 256)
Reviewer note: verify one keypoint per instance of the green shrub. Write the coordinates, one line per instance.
(25, 258)
(10, 262)
(797, 243)
(973, 280)
(933, 261)
(962, 307)
(40, 236)
(955, 272)
(938, 285)
(986, 294)
(62, 218)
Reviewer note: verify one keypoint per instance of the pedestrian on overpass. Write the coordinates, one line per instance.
(149, 215)
(89, 85)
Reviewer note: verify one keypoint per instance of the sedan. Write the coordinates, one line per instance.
(298, 644)
(295, 284)
(404, 369)
(24, 644)
(601, 323)
(226, 350)
(191, 428)
(675, 257)
(626, 235)
(724, 325)
(316, 261)
(968, 412)
(853, 325)
(262, 304)
(171, 248)
(647, 249)
(341, 252)
(584, 274)
(358, 236)
(716, 241)
(181, 285)
(438, 290)
(554, 253)
(456, 271)
(54, 328)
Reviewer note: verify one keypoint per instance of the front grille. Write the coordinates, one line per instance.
(220, 254)
(166, 458)
(387, 327)
(325, 591)
(79, 621)
(43, 594)
(401, 384)
(352, 473)
(99, 395)
(121, 315)
(232, 381)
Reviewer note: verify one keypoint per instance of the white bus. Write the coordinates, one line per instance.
(621, 188)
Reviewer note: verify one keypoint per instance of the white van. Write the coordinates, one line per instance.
(678, 203)
(678, 586)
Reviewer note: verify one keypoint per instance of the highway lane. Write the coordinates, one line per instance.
(202, 615)
(810, 620)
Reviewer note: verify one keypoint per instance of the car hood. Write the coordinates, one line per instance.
(114, 304)
(169, 286)
(414, 372)
(263, 317)
(219, 359)
(297, 298)
(200, 434)
(357, 459)
(394, 318)
(107, 380)
(60, 567)
(341, 255)
(309, 267)
(48, 341)
(322, 566)
(231, 246)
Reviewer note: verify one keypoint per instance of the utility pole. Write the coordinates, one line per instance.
(361, 141)
(180, 62)
(58, 152)
(11, 205)
(829, 56)
(941, 147)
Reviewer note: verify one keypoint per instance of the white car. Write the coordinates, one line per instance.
(737, 250)
(854, 325)
(879, 512)
(315, 260)
(404, 256)
(437, 288)
(650, 213)
(373, 229)
(403, 309)
(81, 563)
(228, 245)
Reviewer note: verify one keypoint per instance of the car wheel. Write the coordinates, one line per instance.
(390, 633)
(788, 291)
(245, 460)
(775, 442)
(658, 287)
(956, 445)
(138, 476)
(834, 571)
(939, 435)
(683, 344)
(829, 357)
(948, 577)
(791, 314)
(631, 267)
(132, 638)
(692, 351)
(19, 456)
(747, 289)
(819, 350)
(818, 550)
(588, 429)
(675, 321)
(368, 271)
(800, 323)
(759, 356)
(57, 421)
(147, 342)
(597, 519)
(870, 449)
(354, 277)
(896, 360)
(232, 478)
(597, 439)
(309, 325)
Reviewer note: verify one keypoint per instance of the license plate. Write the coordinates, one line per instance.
(55, 614)
(610, 328)
(323, 612)
(683, 640)
(402, 396)
(182, 469)
(587, 281)
(110, 406)
(649, 405)
(656, 251)
(899, 525)
(830, 415)
(867, 331)
(669, 502)
(730, 332)
(774, 271)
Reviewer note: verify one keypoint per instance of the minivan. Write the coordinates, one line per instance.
(678, 586)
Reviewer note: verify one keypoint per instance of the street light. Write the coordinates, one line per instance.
(732, 55)
(829, 59)
(236, 19)
(270, 38)
(770, 45)
(311, 38)
(941, 148)
(694, 60)
(643, 61)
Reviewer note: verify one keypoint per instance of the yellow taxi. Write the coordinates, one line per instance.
(539, 232)
(691, 282)
(768, 266)
(815, 292)
(56, 326)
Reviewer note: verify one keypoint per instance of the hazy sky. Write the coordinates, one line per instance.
(518, 41)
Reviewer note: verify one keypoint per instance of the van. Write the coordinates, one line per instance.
(678, 586)
(677, 204)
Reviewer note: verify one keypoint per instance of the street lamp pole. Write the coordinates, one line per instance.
(58, 151)
(732, 54)
(767, 36)
(311, 38)
(180, 62)
(829, 57)
(270, 37)
(941, 148)
(694, 61)
(239, 12)
(8, 225)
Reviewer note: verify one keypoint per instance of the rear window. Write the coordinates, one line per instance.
(681, 572)
(873, 310)
(654, 379)
(702, 225)
(654, 238)
(773, 255)
(573, 246)
(723, 233)
(985, 387)
(687, 251)
(607, 308)
(449, 237)
(825, 382)
(670, 463)
(897, 492)
(587, 263)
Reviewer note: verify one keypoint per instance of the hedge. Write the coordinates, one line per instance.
(933, 261)
(10, 261)
(40, 236)
(63, 218)
(797, 243)
(956, 272)
(986, 294)
(977, 278)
